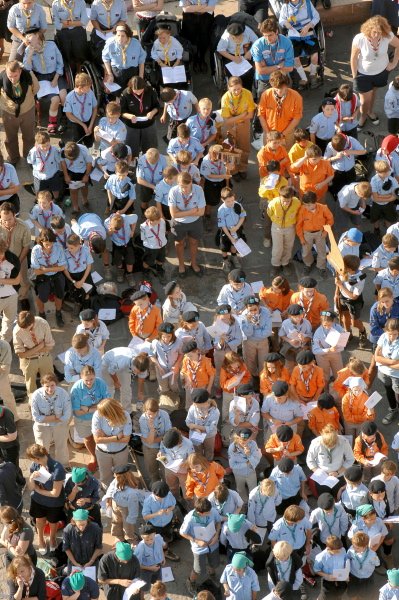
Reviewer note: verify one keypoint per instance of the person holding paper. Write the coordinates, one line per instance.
(350, 241)
(378, 498)
(154, 422)
(327, 345)
(45, 161)
(150, 554)
(123, 57)
(349, 297)
(295, 528)
(174, 450)
(235, 47)
(42, 212)
(310, 299)
(279, 408)
(46, 483)
(273, 371)
(367, 445)
(262, 503)
(235, 291)
(81, 110)
(17, 535)
(144, 318)
(278, 295)
(226, 501)
(82, 490)
(76, 164)
(354, 408)
(79, 263)
(388, 476)
(363, 562)
(244, 457)
(386, 307)
(233, 373)
(82, 541)
(203, 417)
(153, 236)
(256, 327)
(202, 476)
(79, 355)
(121, 228)
(244, 410)
(239, 580)
(185, 141)
(237, 534)
(139, 106)
(166, 50)
(329, 518)
(104, 19)
(18, 236)
(196, 371)
(70, 21)
(284, 442)
(352, 200)
(354, 493)
(368, 522)
(110, 129)
(295, 333)
(158, 511)
(290, 483)
(325, 413)
(149, 172)
(78, 582)
(118, 366)
(178, 105)
(201, 527)
(95, 328)
(231, 217)
(332, 566)
(167, 358)
(307, 380)
(118, 570)
(123, 496)
(120, 190)
(44, 59)
(385, 251)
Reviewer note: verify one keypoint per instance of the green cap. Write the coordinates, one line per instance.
(77, 581)
(364, 509)
(393, 577)
(240, 560)
(235, 522)
(79, 474)
(123, 551)
(81, 514)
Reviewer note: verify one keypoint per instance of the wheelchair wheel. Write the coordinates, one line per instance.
(69, 76)
(322, 52)
(97, 82)
(219, 77)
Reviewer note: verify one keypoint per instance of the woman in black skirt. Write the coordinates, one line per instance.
(139, 107)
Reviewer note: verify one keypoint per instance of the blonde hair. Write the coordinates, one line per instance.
(151, 404)
(17, 562)
(282, 550)
(198, 459)
(376, 22)
(82, 79)
(158, 590)
(112, 410)
(44, 195)
(381, 166)
(152, 154)
(267, 487)
(205, 102)
(329, 436)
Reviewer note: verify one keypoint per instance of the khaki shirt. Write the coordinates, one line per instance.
(23, 339)
(9, 106)
(18, 238)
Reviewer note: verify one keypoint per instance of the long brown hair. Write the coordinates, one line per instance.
(127, 479)
(112, 410)
(13, 519)
(18, 561)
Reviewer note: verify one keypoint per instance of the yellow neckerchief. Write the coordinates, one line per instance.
(28, 15)
(40, 54)
(108, 6)
(165, 50)
(69, 8)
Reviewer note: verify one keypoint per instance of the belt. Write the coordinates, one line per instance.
(315, 231)
(37, 357)
(107, 452)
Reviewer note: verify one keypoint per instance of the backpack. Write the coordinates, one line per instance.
(53, 591)
(210, 586)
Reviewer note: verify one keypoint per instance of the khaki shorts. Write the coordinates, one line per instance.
(83, 428)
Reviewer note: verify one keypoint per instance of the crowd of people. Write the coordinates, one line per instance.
(278, 462)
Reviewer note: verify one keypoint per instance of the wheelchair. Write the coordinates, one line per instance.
(219, 74)
(275, 6)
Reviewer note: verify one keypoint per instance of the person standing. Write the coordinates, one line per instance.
(17, 104)
(18, 237)
(9, 283)
(23, 16)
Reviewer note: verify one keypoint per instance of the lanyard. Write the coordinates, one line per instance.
(218, 165)
(76, 260)
(43, 158)
(198, 481)
(62, 239)
(165, 49)
(301, 302)
(47, 258)
(330, 527)
(359, 560)
(283, 572)
(142, 317)
(194, 371)
(179, 99)
(82, 104)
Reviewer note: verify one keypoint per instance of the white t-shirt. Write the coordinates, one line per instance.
(371, 62)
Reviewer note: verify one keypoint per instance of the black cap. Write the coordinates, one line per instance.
(189, 347)
(147, 529)
(308, 282)
(237, 276)
(170, 287)
(245, 389)
(304, 357)
(328, 102)
(190, 316)
(250, 300)
(325, 400)
(171, 438)
(284, 433)
(160, 488)
(280, 388)
(354, 473)
(118, 469)
(286, 464)
(369, 428)
(199, 395)
(245, 433)
(140, 294)
(88, 314)
(32, 30)
(325, 501)
(163, 26)
(120, 150)
(377, 486)
(273, 357)
(223, 309)
(235, 28)
(166, 327)
(295, 309)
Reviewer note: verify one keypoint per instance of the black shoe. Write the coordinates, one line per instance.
(165, 139)
(307, 270)
(326, 4)
(58, 318)
(390, 416)
(29, 188)
(363, 341)
(24, 304)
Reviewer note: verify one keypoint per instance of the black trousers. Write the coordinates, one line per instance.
(197, 28)
(256, 8)
(73, 45)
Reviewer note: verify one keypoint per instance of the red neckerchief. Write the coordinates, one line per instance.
(301, 302)
(43, 158)
(3, 174)
(140, 100)
(82, 104)
(186, 199)
(76, 260)
(202, 127)
(156, 234)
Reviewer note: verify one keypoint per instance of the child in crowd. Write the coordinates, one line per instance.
(384, 196)
(42, 212)
(76, 165)
(349, 242)
(295, 333)
(121, 230)
(196, 371)
(45, 161)
(349, 295)
(178, 106)
(315, 173)
(185, 141)
(120, 190)
(341, 151)
(149, 172)
(328, 355)
(311, 219)
(347, 105)
(202, 125)
(325, 413)
(323, 125)
(231, 218)
(385, 251)
(283, 213)
(161, 192)
(235, 291)
(353, 199)
(81, 110)
(354, 493)
(110, 129)
(269, 188)
(273, 150)
(153, 236)
(61, 229)
(391, 106)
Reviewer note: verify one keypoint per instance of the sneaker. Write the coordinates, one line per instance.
(390, 416)
(307, 270)
(235, 261)
(58, 318)
(363, 341)
(191, 587)
(267, 243)
(375, 120)
(52, 128)
(108, 273)
(171, 555)
(226, 265)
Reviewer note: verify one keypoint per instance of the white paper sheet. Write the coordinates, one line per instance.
(373, 400)
(76, 185)
(235, 381)
(107, 314)
(323, 479)
(108, 137)
(44, 475)
(240, 403)
(61, 357)
(45, 88)
(242, 248)
(133, 588)
(342, 574)
(238, 69)
(167, 574)
(96, 174)
(256, 286)
(276, 318)
(141, 119)
(205, 533)
(174, 74)
(217, 329)
(96, 277)
(375, 539)
(197, 437)
(335, 338)
(365, 263)
(87, 287)
(87, 572)
(104, 36)
(378, 457)
(167, 375)
(306, 408)
(139, 345)
(175, 465)
(112, 86)
(392, 519)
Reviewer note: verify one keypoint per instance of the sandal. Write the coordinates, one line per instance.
(52, 128)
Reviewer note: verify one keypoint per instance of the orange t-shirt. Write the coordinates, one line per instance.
(148, 328)
(320, 417)
(309, 384)
(344, 374)
(292, 108)
(309, 175)
(294, 445)
(313, 221)
(198, 373)
(354, 409)
(313, 307)
(225, 377)
(361, 456)
(265, 154)
(275, 301)
(201, 485)
(267, 380)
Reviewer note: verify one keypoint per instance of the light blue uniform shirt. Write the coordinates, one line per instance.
(180, 108)
(257, 331)
(210, 3)
(8, 177)
(79, 165)
(242, 464)
(376, 528)
(285, 412)
(112, 53)
(192, 170)
(52, 58)
(44, 164)
(346, 163)
(346, 111)
(252, 414)
(209, 167)
(199, 334)
(74, 363)
(345, 248)
(293, 534)
(116, 13)
(388, 350)
(384, 278)
(288, 326)
(123, 236)
(335, 523)
(319, 344)
(18, 20)
(192, 520)
(117, 130)
(118, 359)
(193, 145)
(81, 105)
(161, 192)
(151, 173)
(387, 592)
(127, 498)
(181, 451)
(380, 257)
(88, 224)
(392, 160)
(195, 199)
(97, 335)
(232, 339)
(209, 420)
(59, 404)
(354, 497)
(43, 217)
(233, 298)
(81, 395)
(323, 127)
(362, 564)
(150, 555)
(327, 562)
(166, 354)
(273, 54)
(241, 586)
(288, 484)
(40, 259)
(227, 217)
(164, 53)
(77, 263)
(151, 505)
(161, 425)
(229, 506)
(77, 12)
(376, 187)
(227, 44)
(261, 508)
(347, 197)
(236, 539)
(101, 424)
(200, 128)
(116, 186)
